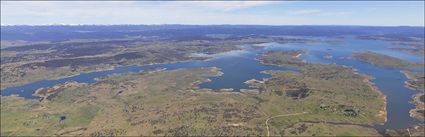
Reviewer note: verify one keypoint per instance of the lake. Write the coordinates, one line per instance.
(240, 66)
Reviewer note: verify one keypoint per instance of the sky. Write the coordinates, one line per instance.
(367, 13)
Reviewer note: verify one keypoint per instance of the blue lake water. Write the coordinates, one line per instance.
(389, 81)
(240, 66)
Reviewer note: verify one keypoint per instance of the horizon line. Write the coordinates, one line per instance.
(72, 24)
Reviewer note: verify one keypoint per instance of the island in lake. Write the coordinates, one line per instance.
(212, 80)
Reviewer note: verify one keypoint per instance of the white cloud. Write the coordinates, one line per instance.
(318, 12)
(341, 13)
(130, 12)
(188, 12)
(305, 11)
(228, 5)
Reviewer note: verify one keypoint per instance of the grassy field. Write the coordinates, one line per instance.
(314, 101)
(416, 80)
(39, 61)
(160, 103)
(416, 131)
(324, 129)
(330, 93)
(170, 103)
(385, 61)
(419, 111)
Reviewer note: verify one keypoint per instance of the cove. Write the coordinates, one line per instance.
(239, 66)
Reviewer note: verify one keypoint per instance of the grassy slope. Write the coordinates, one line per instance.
(324, 129)
(22, 65)
(417, 131)
(169, 103)
(163, 103)
(334, 87)
(386, 61)
(416, 80)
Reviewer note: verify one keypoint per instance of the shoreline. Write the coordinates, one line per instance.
(416, 98)
(112, 67)
(410, 78)
(419, 105)
(367, 79)
(383, 112)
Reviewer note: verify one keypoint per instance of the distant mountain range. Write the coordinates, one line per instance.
(76, 31)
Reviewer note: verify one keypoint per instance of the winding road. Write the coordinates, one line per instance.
(285, 115)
